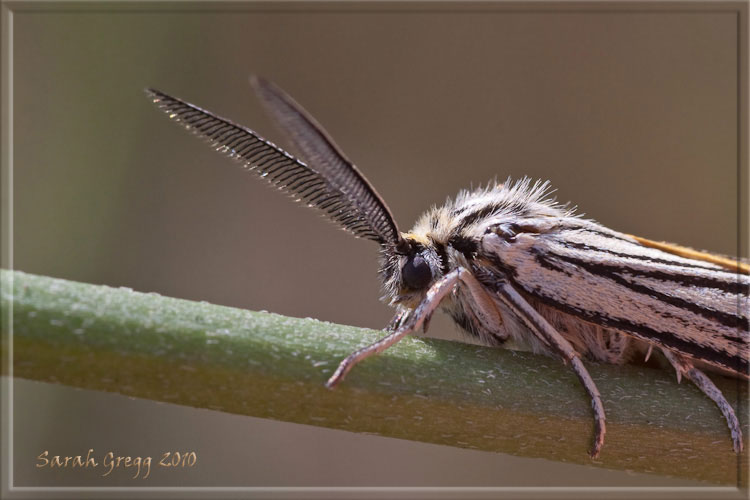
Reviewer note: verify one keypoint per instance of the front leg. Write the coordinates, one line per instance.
(399, 318)
(404, 325)
(408, 321)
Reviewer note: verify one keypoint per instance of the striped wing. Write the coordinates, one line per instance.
(691, 306)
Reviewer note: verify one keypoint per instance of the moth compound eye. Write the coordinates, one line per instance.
(416, 273)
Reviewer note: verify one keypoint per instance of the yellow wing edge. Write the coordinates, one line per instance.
(689, 253)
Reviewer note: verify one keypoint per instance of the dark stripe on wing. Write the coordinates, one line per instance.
(729, 282)
(613, 273)
(645, 258)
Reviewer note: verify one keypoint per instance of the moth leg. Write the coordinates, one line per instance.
(486, 311)
(397, 320)
(683, 366)
(547, 333)
(410, 324)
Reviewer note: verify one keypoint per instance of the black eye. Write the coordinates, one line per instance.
(416, 272)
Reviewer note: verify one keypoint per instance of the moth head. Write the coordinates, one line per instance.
(408, 269)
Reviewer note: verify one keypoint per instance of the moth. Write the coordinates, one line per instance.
(508, 262)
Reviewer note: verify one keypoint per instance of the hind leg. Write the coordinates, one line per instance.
(684, 366)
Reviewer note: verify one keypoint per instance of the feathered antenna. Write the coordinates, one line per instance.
(326, 180)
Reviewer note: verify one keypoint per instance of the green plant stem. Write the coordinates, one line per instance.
(271, 366)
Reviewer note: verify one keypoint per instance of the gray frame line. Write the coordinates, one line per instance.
(7, 10)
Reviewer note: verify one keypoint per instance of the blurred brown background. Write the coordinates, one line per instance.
(631, 115)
